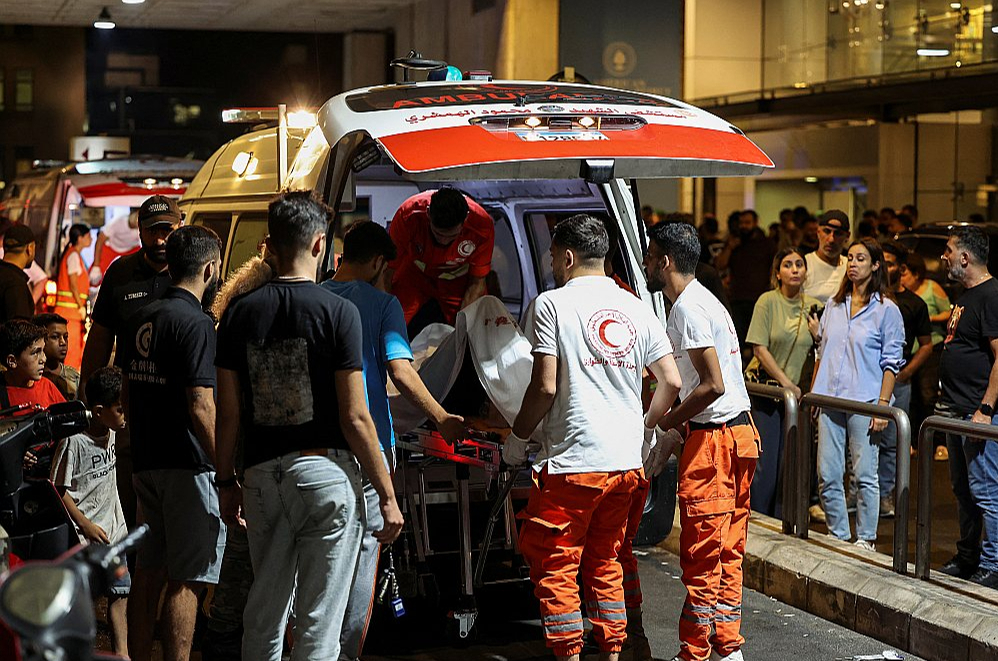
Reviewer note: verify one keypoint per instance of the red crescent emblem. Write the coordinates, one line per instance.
(602, 333)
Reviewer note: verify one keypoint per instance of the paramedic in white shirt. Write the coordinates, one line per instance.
(719, 452)
(591, 341)
(826, 266)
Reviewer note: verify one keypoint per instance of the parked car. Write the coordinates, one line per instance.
(929, 241)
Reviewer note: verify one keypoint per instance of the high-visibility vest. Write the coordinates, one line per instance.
(66, 305)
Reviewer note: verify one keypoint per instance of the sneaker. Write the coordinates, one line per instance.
(734, 656)
(886, 509)
(817, 514)
(866, 545)
(956, 567)
(942, 454)
(986, 577)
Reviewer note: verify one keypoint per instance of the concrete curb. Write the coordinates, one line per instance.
(942, 619)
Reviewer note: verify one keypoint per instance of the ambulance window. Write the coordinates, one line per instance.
(506, 279)
(251, 229)
(541, 225)
(219, 223)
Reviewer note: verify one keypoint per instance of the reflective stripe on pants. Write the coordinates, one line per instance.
(715, 479)
(578, 521)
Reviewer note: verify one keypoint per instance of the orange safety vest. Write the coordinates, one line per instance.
(66, 305)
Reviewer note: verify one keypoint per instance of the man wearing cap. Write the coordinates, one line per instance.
(130, 283)
(826, 266)
(15, 294)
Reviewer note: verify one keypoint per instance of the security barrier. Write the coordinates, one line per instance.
(902, 485)
(923, 517)
(790, 446)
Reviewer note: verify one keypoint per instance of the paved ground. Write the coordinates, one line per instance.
(945, 526)
(773, 630)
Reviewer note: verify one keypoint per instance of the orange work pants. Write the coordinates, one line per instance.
(629, 564)
(74, 355)
(578, 521)
(715, 478)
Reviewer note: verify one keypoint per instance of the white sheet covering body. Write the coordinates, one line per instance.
(499, 350)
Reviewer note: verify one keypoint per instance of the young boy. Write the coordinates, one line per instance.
(22, 348)
(84, 474)
(65, 377)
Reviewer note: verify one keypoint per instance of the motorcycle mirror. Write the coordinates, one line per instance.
(37, 596)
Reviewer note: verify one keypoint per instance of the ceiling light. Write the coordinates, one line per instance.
(586, 121)
(532, 122)
(149, 182)
(932, 52)
(994, 28)
(811, 180)
(133, 2)
(955, 5)
(104, 21)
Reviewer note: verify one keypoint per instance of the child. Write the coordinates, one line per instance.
(84, 474)
(65, 377)
(22, 347)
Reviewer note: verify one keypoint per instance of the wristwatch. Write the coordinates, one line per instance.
(986, 409)
(226, 482)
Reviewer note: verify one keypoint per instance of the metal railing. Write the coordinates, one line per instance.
(902, 485)
(923, 516)
(790, 445)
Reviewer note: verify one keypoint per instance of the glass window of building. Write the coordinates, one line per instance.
(24, 90)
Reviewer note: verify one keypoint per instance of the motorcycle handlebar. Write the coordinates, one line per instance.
(107, 554)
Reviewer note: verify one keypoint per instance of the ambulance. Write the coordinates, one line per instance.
(531, 153)
(52, 196)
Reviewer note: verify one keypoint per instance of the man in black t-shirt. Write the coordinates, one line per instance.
(290, 378)
(968, 372)
(167, 352)
(15, 294)
(129, 284)
(917, 328)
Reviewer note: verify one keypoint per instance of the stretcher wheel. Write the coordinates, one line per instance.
(460, 629)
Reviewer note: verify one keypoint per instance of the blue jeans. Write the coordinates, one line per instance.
(974, 474)
(835, 430)
(361, 603)
(304, 521)
(889, 441)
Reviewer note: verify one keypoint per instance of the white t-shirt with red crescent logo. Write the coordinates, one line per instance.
(603, 337)
(698, 321)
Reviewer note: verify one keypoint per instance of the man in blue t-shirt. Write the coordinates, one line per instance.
(367, 250)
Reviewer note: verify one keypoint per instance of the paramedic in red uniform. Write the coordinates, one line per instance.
(720, 447)
(445, 245)
(591, 341)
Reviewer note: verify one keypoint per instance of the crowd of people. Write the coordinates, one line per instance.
(861, 320)
(247, 421)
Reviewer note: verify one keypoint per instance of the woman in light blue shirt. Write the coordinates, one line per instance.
(862, 336)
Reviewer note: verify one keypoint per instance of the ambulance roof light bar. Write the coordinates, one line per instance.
(303, 118)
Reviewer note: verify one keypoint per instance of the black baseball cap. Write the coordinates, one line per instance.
(159, 210)
(18, 236)
(835, 218)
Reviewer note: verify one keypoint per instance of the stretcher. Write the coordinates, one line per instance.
(433, 472)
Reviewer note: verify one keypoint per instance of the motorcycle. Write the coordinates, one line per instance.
(31, 511)
(46, 607)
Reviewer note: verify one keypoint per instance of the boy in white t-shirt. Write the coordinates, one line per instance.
(719, 452)
(84, 473)
(591, 341)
